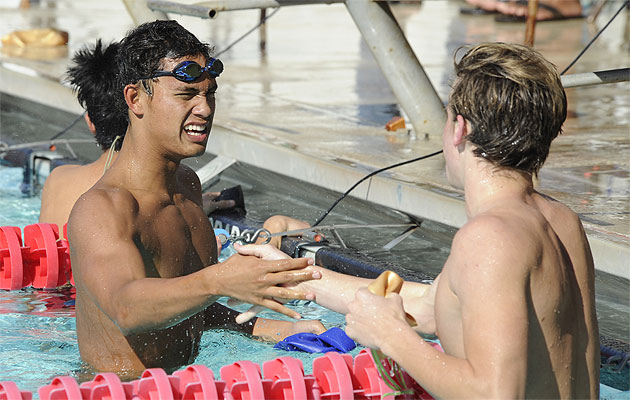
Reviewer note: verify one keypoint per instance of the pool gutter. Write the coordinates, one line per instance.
(424, 201)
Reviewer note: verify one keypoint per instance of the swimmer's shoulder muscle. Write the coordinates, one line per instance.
(103, 209)
(189, 183)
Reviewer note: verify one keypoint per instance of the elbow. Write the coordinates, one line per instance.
(123, 319)
(500, 388)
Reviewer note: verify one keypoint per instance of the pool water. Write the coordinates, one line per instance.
(38, 339)
(38, 332)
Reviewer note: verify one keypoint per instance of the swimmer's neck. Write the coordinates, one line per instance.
(143, 167)
(486, 187)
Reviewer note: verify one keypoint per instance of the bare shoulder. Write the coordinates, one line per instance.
(491, 248)
(188, 176)
(556, 211)
(102, 208)
(189, 183)
(495, 232)
(61, 175)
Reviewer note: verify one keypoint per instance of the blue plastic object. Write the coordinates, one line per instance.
(222, 233)
(334, 339)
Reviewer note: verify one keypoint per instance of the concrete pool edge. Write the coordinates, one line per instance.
(610, 254)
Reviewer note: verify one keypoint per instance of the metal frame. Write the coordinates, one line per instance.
(374, 19)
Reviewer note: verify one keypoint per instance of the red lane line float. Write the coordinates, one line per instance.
(42, 262)
(106, 386)
(156, 385)
(10, 391)
(335, 376)
(332, 372)
(47, 255)
(289, 381)
(197, 382)
(12, 258)
(61, 387)
(244, 381)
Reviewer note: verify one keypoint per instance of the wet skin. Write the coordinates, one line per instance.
(143, 251)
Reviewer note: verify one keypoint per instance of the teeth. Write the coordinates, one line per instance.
(196, 130)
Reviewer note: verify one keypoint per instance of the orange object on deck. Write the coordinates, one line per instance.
(395, 123)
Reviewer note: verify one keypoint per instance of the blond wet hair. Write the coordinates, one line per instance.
(514, 101)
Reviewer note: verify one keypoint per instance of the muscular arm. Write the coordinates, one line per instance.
(218, 316)
(335, 290)
(486, 276)
(109, 268)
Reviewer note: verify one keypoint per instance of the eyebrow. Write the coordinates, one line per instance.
(194, 90)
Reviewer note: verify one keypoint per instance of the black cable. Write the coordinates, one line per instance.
(247, 33)
(625, 4)
(68, 127)
(320, 219)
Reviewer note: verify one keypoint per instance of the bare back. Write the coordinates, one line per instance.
(518, 289)
(64, 186)
(146, 234)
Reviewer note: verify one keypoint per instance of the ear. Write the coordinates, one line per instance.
(89, 123)
(132, 97)
(462, 128)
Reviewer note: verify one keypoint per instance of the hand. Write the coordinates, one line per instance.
(373, 320)
(210, 204)
(265, 252)
(258, 282)
(308, 326)
(262, 251)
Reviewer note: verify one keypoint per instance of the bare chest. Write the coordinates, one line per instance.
(448, 320)
(175, 240)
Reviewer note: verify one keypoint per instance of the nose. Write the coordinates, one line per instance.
(204, 106)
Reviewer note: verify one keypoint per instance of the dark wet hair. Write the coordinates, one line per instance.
(144, 48)
(514, 101)
(94, 79)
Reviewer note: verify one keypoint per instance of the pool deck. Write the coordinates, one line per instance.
(314, 105)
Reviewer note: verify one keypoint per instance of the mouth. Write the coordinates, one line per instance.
(196, 132)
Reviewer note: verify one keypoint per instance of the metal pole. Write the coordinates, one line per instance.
(401, 68)
(210, 8)
(140, 12)
(530, 24)
(596, 78)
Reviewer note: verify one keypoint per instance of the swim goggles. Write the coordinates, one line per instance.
(190, 71)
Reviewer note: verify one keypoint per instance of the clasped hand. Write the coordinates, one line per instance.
(262, 275)
(372, 320)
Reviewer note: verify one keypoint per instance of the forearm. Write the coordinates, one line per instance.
(444, 376)
(270, 329)
(156, 303)
(334, 290)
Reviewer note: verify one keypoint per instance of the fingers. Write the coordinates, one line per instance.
(266, 252)
(210, 204)
(212, 195)
(234, 302)
(223, 204)
(286, 293)
(291, 278)
(287, 264)
(277, 307)
(249, 314)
